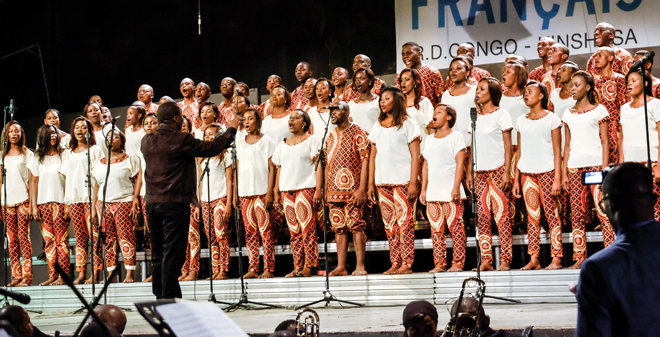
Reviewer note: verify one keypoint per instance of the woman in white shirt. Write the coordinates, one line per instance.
(538, 172)
(297, 182)
(216, 191)
(632, 141)
(256, 177)
(18, 214)
(586, 150)
(514, 78)
(94, 112)
(276, 125)
(418, 107)
(364, 109)
(208, 113)
(461, 97)
(441, 188)
(53, 117)
(150, 125)
(393, 172)
(325, 92)
(134, 129)
(77, 197)
(47, 200)
(492, 180)
(121, 205)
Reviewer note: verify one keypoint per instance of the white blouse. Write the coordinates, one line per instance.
(560, 106)
(253, 165)
(120, 185)
(296, 165)
(536, 152)
(462, 104)
(99, 136)
(516, 107)
(393, 157)
(364, 114)
(276, 128)
(633, 128)
(440, 154)
(490, 140)
(422, 117)
(17, 179)
(51, 182)
(134, 140)
(74, 170)
(586, 148)
(217, 176)
(319, 121)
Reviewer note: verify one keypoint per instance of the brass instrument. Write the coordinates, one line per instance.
(308, 321)
(465, 324)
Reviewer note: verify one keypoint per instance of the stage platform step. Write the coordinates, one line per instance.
(372, 290)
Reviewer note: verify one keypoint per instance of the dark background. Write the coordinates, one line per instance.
(110, 48)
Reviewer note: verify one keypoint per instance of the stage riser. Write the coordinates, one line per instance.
(373, 290)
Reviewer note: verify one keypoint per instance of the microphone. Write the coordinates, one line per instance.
(116, 118)
(87, 135)
(333, 107)
(20, 297)
(217, 135)
(640, 62)
(473, 114)
(12, 108)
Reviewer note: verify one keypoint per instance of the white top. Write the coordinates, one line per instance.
(364, 114)
(276, 128)
(99, 136)
(120, 186)
(51, 182)
(74, 170)
(536, 154)
(462, 104)
(422, 117)
(253, 165)
(134, 140)
(393, 157)
(490, 140)
(296, 164)
(143, 168)
(199, 133)
(218, 177)
(319, 120)
(516, 107)
(17, 178)
(634, 135)
(64, 141)
(586, 149)
(440, 154)
(561, 105)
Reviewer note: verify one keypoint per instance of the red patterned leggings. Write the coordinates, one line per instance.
(491, 198)
(191, 266)
(55, 231)
(579, 205)
(537, 191)
(442, 214)
(256, 219)
(79, 213)
(301, 219)
(397, 214)
(117, 225)
(18, 235)
(219, 236)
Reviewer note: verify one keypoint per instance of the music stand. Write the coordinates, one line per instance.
(151, 315)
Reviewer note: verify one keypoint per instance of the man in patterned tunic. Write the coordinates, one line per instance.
(303, 73)
(604, 35)
(227, 90)
(542, 48)
(347, 153)
(557, 55)
(146, 96)
(189, 104)
(351, 92)
(432, 83)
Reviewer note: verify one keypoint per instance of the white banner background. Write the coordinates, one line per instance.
(500, 27)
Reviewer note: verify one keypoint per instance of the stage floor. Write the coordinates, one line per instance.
(548, 320)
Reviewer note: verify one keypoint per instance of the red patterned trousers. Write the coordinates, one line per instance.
(579, 205)
(55, 231)
(656, 208)
(346, 217)
(537, 191)
(397, 214)
(490, 197)
(191, 266)
(257, 226)
(18, 235)
(118, 226)
(442, 214)
(79, 213)
(219, 236)
(301, 219)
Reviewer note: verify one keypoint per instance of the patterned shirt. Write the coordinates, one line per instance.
(621, 63)
(298, 100)
(612, 93)
(351, 93)
(432, 83)
(539, 72)
(192, 112)
(345, 152)
(152, 108)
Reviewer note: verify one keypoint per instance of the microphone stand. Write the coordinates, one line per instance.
(327, 295)
(89, 197)
(4, 191)
(207, 172)
(646, 118)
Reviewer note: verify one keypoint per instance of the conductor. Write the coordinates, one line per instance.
(171, 177)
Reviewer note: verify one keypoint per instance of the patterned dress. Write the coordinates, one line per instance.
(612, 93)
(621, 63)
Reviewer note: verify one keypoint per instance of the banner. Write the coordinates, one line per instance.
(497, 28)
